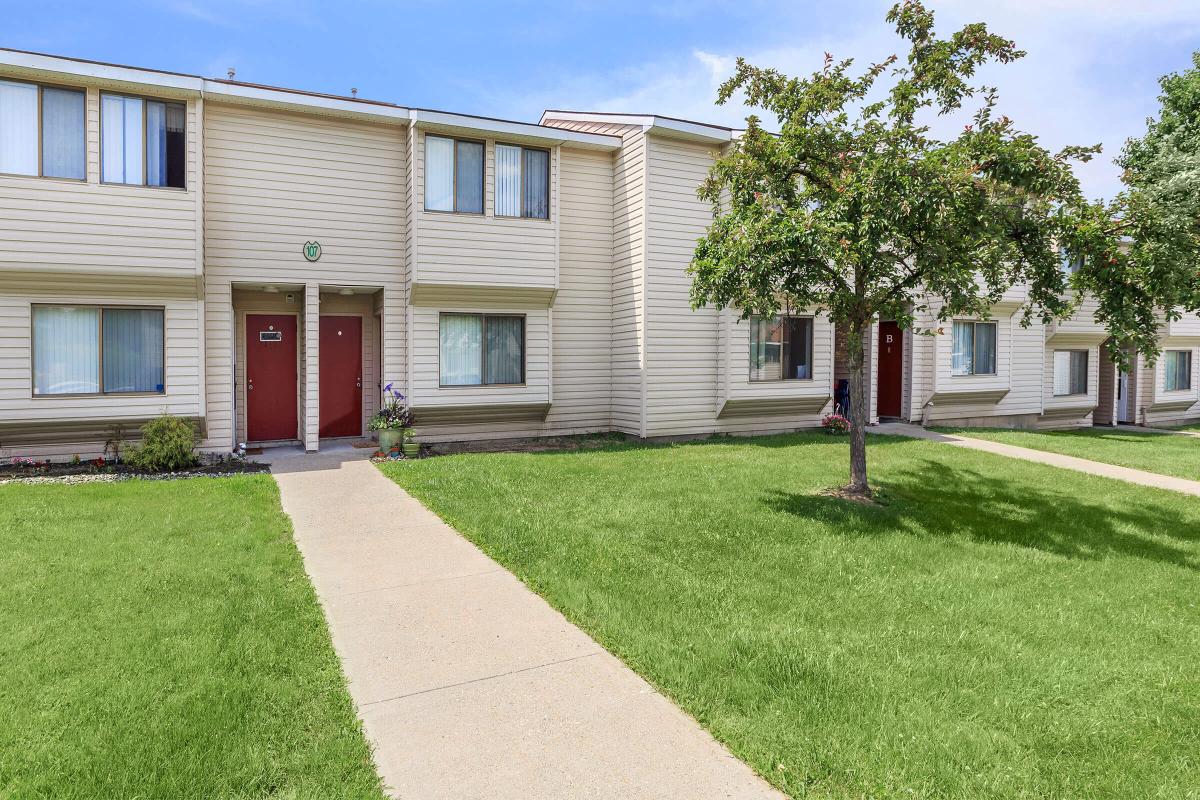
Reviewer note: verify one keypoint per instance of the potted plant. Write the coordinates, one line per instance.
(392, 420)
(410, 446)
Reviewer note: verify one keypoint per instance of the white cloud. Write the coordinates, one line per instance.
(1086, 78)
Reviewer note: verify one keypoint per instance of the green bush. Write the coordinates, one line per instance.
(167, 445)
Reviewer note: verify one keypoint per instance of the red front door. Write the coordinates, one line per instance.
(341, 376)
(891, 369)
(270, 377)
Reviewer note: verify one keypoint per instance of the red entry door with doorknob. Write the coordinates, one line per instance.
(891, 369)
(270, 377)
(341, 376)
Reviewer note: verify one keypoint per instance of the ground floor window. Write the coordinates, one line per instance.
(974, 348)
(93, 350)
(1070, 372)
(482, 349)
(1178, 365)
(781, 348)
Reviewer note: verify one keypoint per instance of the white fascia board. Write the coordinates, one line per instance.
(650, 123)
(36, 62)
(500, 128)
(261, 95)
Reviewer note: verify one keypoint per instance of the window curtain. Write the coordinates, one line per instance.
(1178, 366)
(537, 184)
(766, 349)
(798, 348)
(1079, 372)
(66, 350)
(961, 358)
(164, 144)
(18, 128)
(1062, 372)
(985, 349)
(133, 350)
(63, 145)
(156, 144)
(121, 139)
(505, 345)
(461, 349)
(508, 181)
(439, 174)
(468, 189)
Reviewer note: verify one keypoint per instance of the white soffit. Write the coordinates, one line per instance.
(518, 132)
(650, 123)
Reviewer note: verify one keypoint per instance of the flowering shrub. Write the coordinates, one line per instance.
(395, 415)
(835, 424)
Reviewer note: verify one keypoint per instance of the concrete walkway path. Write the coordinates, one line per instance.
(468, 684)
(1053, 459)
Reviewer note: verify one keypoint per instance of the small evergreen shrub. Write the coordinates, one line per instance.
(167, 445)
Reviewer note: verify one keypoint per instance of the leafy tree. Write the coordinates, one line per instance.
(858, 209)
(1146, 243)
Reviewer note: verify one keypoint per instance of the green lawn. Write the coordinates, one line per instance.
(1164, 453)
(161, 640)
(999, 629)
(1189, 427)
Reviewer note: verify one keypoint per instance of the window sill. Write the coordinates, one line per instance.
(482, 385)
(92, 395)
(145, 186)
(479, 214)
(52, 178)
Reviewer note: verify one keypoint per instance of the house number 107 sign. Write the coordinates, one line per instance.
(312, 250)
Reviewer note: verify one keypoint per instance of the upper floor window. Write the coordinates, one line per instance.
(42, 131)
(1068, 264)
(1070, 372)
(781, 348)
(142, 142)
(974, 348)
(522, 182)
(453, 175)
(1178, 367)
(90, 350)
(481, 349)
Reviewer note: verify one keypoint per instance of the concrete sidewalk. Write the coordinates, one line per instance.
(1053, 459)
(469, 685)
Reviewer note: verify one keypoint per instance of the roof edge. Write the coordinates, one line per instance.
(650, 123)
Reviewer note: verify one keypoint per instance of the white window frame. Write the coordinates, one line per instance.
(454, 182)
(1071, 354)
(99, 351)
(974, 370)
(1187, 359)
(524, 213)
(41, 161)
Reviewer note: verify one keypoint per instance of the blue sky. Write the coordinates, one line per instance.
(1090, 75)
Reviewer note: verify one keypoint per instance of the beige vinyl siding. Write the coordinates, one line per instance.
(87, 243)
(629, 282)
(582, 314)
(1019, 369)
(92, 228)
(19, 292)
(683, 346)
(276, 180)
(483, 250)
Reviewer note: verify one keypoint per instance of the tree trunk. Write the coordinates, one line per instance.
(856, 352)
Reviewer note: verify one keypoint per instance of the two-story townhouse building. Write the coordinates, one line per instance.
(265, 261)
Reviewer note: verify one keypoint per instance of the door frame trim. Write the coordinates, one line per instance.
(240, 394)
(362, 371)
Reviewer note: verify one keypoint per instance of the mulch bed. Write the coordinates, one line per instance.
(89, 473)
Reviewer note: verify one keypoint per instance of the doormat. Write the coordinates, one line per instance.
(254, 451)
(364, 444)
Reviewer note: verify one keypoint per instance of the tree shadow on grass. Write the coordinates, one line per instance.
(933, 498)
